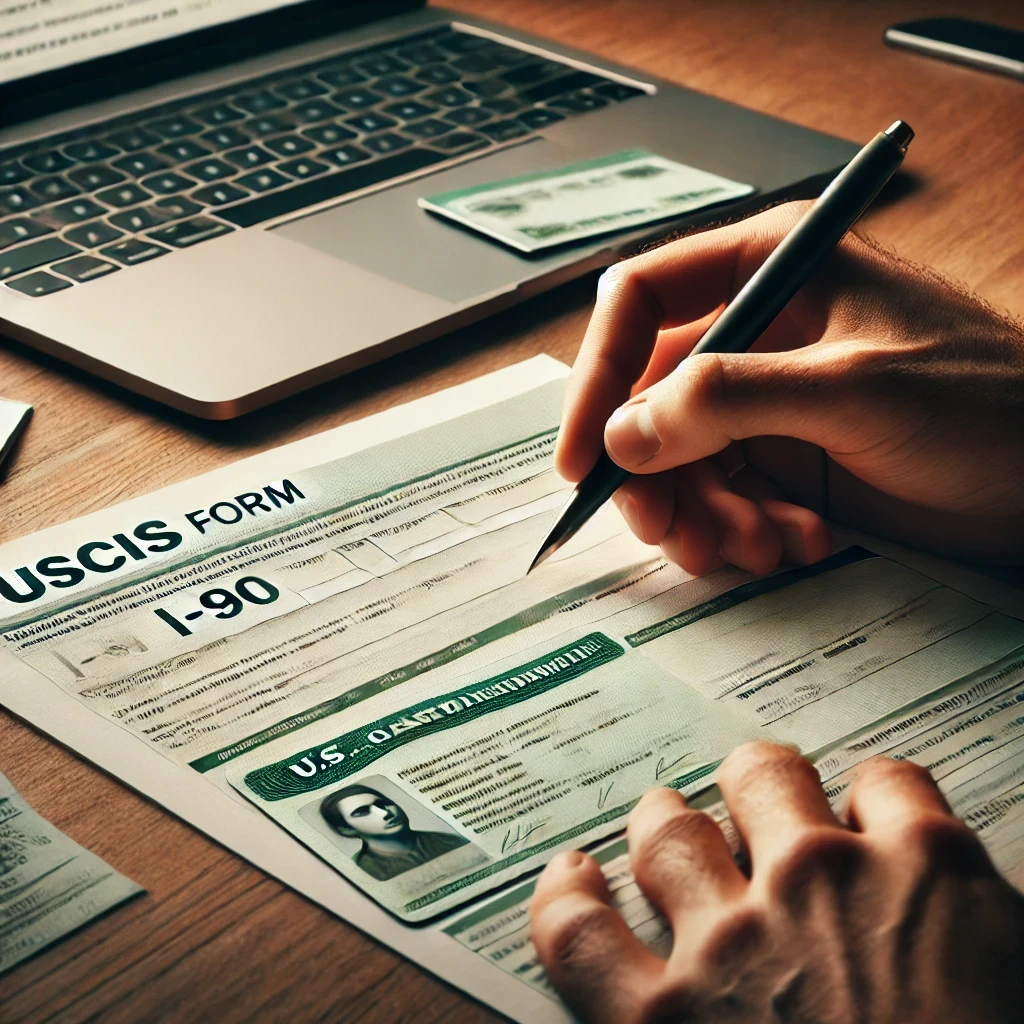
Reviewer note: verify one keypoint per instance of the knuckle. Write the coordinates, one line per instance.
(943, 839)
(699, 384)
(569, 936)
(827, 857)
(617, 275)
(663, 842)
(673, 1002)
(734, 940)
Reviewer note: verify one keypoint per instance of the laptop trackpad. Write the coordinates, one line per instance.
(387, 233)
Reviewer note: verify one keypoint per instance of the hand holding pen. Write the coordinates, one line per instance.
(865, 363)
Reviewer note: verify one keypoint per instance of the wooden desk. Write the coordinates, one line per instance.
(216, 940)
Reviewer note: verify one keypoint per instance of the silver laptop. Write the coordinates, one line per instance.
(214, 204)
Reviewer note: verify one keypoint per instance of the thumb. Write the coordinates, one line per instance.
(714, 399)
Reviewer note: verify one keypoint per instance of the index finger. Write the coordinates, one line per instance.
(598, 965)
(667, 287)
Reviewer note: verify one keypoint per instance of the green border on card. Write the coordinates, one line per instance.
(560, 172)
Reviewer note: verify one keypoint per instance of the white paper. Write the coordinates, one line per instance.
(225, 624)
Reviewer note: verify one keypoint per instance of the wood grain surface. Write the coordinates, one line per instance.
(215, 939)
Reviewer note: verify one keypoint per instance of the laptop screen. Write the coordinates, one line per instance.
(60, 53)
(40, 35)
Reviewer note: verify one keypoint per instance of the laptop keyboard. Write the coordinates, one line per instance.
(78, 206)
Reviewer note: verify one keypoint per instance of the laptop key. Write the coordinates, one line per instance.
(339, 76)
(218, 195)
(38, 284)
(431, 128)
(389, 142)
(503, 107)
(270, 124)
(50, 190)
(299, 89)
(12, 173)
(559, 86)
(510, 56)
(211, 170)
(420, 53)
(218, 113)
(95, 176)
(289, 145)
(15, 200)
(133, 139)
(357, 99)
(530, 74)
(475, 64)
(250, 156)
(382, 64)
(85, 268)
(500, 131)
(21, 229)
(139, 219)
(90, 151)
(90, 235)
(345, 155)
(487, 88)
(190, 232)
(303, 168)
(226, 138)
(72, 212)
(438, 74)
(618, 91)
(408, 110)
(124, 195)
(135, 250)
(328, 134)
(263, 181)
(578, 103)
(367, 123)
(140, 163)
(165, 184)
(400, 85)
(35, 254)
(258, 102)
(539, 117)
(449, 96)
(47, 163)
(330, 186)
(315, 110)
(175, 127)
(183, 150)
(461, 140)
(468, 116)
(176, 207)
(462, 42)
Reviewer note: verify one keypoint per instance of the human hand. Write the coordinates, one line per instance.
(913, 388)
(899, 919)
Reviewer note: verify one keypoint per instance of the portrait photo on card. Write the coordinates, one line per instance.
(384, 830)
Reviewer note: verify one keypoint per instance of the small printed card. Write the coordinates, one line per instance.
(611, 193)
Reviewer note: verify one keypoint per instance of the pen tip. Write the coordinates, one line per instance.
(539, 557)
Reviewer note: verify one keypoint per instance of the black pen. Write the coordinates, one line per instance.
(761, 299)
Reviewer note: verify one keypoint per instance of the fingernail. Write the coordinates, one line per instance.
(630, 436)
(793, 542)
(631, 513)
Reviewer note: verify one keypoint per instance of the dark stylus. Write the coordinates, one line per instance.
(761, 299)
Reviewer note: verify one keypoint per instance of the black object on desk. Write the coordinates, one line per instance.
(761, 299)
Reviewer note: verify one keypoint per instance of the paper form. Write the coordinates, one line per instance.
(49, 885)
(328, 657)
(970, 736)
